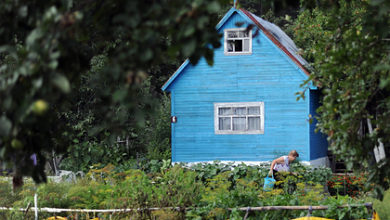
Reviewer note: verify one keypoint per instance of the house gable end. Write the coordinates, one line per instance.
(249, 19)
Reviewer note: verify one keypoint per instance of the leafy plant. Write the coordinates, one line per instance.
(122, 40)
(344, 40)
(180, 186)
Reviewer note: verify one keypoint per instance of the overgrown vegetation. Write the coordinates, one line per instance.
(72, 73)
(150, 141)
(347, 45)
(76, 75)
(207, 190)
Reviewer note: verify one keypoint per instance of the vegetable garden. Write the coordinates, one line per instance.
(203, 191)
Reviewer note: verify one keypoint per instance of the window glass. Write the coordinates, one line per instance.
(230, 45)
(238, 45)
(232, 34)
(253, 123)
(254, 110)
(239, 123)
(240, 111)
(246, 44)
(225, 111)
(224, 123)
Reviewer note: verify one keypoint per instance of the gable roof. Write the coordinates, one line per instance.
(273, 32)
(280, 38)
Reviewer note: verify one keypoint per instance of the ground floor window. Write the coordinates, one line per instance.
(239, 118)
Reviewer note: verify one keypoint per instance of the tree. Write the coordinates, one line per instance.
(347, 43)
(45, 46)
(150, 141)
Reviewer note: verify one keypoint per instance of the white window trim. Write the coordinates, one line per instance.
(237, 53)
(239, 104)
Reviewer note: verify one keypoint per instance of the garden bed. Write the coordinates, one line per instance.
(204, 191)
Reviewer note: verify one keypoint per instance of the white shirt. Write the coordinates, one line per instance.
(282, 166)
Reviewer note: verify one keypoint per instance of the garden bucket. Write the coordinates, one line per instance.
(269, 183)
(312, 218)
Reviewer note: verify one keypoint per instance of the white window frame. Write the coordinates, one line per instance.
(238, 38)
(239, 104)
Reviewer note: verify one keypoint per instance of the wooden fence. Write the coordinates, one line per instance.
(117, 211)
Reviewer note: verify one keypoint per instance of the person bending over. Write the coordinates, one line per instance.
(283, 163)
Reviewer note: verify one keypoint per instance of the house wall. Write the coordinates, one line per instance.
(318, 142)
(267, 75)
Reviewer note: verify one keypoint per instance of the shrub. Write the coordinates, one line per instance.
(217, 190)
(88, 194)
(177, 187)
(6, 195)
(53, 195)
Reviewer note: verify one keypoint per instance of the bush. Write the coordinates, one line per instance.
(6, 195)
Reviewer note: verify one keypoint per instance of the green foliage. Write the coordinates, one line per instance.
(310, 193)
(347, 213)
(318, 175)
(156, 135)
(280, 8)
(151, 141)
(7, 198)
(217, 189)
(346, 42)
(209, 170)
(46, 49)
(53, 195)
(382, 207)
(178, 186)
(83, 155)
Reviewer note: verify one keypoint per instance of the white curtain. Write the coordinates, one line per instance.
(224, 123)
(253, 123)
(230, 45)
(232, 34)
(254, 110)
(239, 118)
(225, 111)
(239, 123)
(246, 45)
(240, 111)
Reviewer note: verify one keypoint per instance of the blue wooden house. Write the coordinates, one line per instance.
(244, 107)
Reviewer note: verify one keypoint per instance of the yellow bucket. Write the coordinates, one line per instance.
(312, 218)
(375, 216)
(56, 218)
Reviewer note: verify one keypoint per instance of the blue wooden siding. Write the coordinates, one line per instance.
(318, 142)
(267, 75)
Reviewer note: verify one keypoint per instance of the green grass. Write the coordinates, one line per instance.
(382, 207)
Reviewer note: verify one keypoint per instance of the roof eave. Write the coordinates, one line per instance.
(178, 71)
(276, 42)
(175, 75)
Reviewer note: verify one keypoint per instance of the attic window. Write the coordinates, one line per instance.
(238, 41)
(239, 118)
